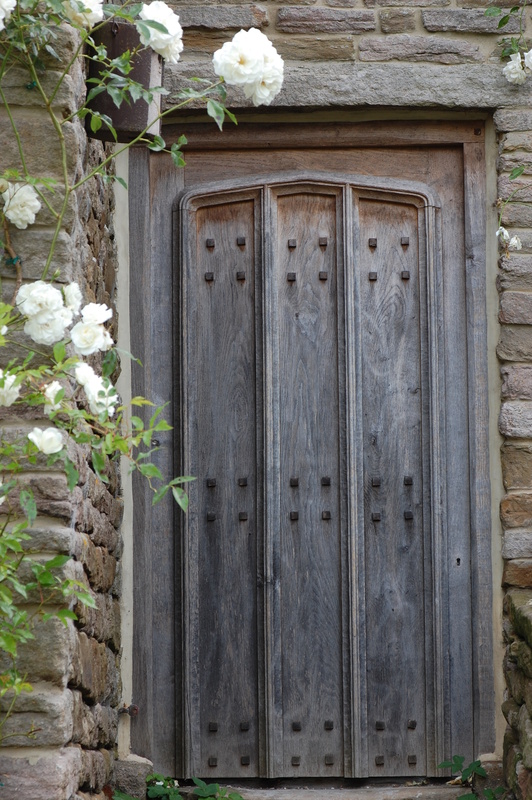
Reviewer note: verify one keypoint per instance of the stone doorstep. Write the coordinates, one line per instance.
(378, 791)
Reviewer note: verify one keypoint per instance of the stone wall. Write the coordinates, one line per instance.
(74, 670)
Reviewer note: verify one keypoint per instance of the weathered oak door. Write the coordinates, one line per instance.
(331, 403)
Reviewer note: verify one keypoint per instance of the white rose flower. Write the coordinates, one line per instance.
(48, 441)
(35, 298)
(84, 12)
(102, 395)
(251, 62)
(48, 329)
(528, 60)
(73, 297)
(8, 392)
(21, 203)
(503, 235)
(84, 373)
(88, 338)
(96, 313)
(3, 330)
(6, 7)
(168, 45)
(2, 497)
(515, 243)
(513, 71)
(50, 393)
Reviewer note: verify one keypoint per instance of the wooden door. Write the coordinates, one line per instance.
(330, 398)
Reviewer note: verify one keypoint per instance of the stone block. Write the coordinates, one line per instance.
(403, 47)
(98, 675)
(31, 244)
(510, 709)
(522, 654)
(517, 268)
(324, 20)
(99, 564)
(41, 147)
(102, 622)
(524, 727)
(399, 20)
(409, 3)
(97, 525)
(517, 216)
(519, 605)
(505, 187)
(518, 120)
(516, 682)
(96, 770)
(517, 544)
(518, 572)
(516, 382)
(52, 774)
(515, 419)
(316, 48)
(516, 510)
(486, 3)
(517, 465)
(461, 21)
(515, 343)
(224, 18)
(130, 775)
(106, 721)
(85, 729)
(516, 308)
(47, 710)
(50, 656)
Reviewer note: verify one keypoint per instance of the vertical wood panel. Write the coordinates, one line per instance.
(394, 383)
(311, 546)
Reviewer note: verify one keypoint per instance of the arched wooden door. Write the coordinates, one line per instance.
(328, 571)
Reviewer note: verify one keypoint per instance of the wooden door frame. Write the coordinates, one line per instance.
(157, 563)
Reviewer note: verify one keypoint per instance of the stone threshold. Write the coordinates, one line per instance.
(369, 791)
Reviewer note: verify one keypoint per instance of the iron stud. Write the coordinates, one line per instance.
(322, 276)
(325, 514)
(294, 482)
(241, 241)
(213, 727)
(323, 241)
(411, 724)
(296, 726)
(242, 481)
(376, 481)
(243, 515)
(244, 726)
(292, 243)
(209, 243)
(211, 517)
(212, 762)
(290, 277)
(408, 480)
(328, 725)
(379, 725)
(209, 276)
(329, 759)
(326, 481)
(372, 276)
(405, 240)
(296, 761)
(405, 275)
(376, 517)
(379, 761)
(241, 276)
(211, 483)
(294, 515)
(409, 515)
(372, 242)
(245, 761)
(412, 760)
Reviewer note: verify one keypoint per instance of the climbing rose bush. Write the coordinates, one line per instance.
(251, 62)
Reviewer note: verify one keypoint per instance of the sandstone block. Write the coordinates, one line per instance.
(226, 18)
(515, 419)
(486, 3)
(106, 721)
(524, 727)
(50, 775)
(325, 20)
(99, 564)
(515, 343)
(31, 247)
(516, 382)
(96, 770)
(316, 48)
(98, 677)
(518, 572)
(523, 656)
(516, 682)
(516, 270)
(130, 775)
(519, 604)
(397, 20)
(517, 544)
(102, 622)
(516, 510)
(42, 150)
(517, 216)
(403, 47)
(48, 711)
(505, 187)
(85, 730)
(338, 3)
(97, 525)
(409, 3)
(466, 22)
(510, 709)
(50, 656)
(518, 120)
(516, 308)
(517, 465)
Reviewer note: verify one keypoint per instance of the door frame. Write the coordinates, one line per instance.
(157, 559)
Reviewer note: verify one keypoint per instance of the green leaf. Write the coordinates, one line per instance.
(98, 462)
(150, 471)
(110, 360)
(96, 123)
(151, 23)
(517, 172)
(57, 561)
(159, 494)
(117, 794)
(474, 768)
(72, 474)
(455, 764)
(504, 21)
(216, 111)
(157, 145)
(180, 497)
(27, 501)
(64, 614)
(493, 11)
(116, 94)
